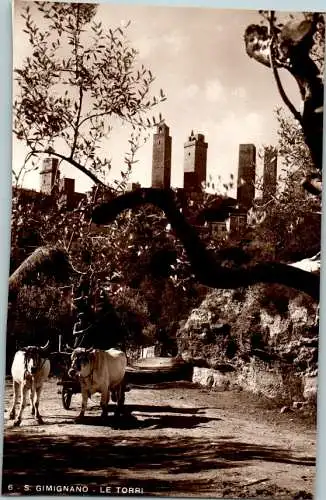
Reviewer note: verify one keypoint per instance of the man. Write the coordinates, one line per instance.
(80, 331)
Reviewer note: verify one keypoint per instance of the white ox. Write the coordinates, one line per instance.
(30, 368)
(100, 371)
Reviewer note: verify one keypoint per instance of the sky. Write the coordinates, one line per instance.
(198, 58)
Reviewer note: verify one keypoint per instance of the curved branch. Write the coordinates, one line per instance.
(281, 90)
(52, 261)
(289, 47)
(73, 163)
(204, 265)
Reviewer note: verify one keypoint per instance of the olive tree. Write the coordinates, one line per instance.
(78, 81)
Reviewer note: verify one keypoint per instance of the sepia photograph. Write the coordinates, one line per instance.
(163, 298)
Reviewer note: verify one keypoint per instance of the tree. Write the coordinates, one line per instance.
(287, 46)
(281, 233)
(292, 46)
(51, 261)
(207, 269)
(77, 83)
(206, 266)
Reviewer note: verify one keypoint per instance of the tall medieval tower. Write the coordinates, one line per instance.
(270, 173)
(161, 163)
(195, 161)
(246, 175)
(49, 175)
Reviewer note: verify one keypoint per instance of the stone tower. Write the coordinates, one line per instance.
(49, 176)
(246, 175)
(195, 161)
(161, 163)
(270, 173)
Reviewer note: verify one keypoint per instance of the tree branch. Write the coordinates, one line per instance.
(52, 261)
(204, 265)
(289, 47)
(280, 88)
(76, 126)
(72, 162)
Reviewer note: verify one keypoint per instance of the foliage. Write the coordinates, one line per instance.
(136, 261)
(282, 235)
(292, 148)
(132, 310)
(79, 80)
(136, 258)
(39, 314)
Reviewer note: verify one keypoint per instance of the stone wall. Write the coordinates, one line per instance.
(253, 377)
(263, 339)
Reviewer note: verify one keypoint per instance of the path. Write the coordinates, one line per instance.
(180, 441)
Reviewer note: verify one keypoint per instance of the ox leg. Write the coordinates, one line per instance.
(24, 390)
(32, 400)
(15, 387)
(84, 405)
(105, 399)
(120, 400)
(36, 405)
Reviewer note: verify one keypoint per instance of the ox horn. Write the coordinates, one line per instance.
(69, 349)
(90, 349)
(45, 347)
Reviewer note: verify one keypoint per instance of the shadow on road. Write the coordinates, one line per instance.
(144, 417)
(156, 422)
(114, 459)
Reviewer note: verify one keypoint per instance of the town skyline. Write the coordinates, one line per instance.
(245, 186)
(212, 87)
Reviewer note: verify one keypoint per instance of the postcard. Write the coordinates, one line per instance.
(163, 299)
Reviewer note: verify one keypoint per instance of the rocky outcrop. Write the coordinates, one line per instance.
(263, 339)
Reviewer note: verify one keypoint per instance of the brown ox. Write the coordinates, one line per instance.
(99, 371)
(30, 368)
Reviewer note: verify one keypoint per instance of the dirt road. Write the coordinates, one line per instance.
(179, 441)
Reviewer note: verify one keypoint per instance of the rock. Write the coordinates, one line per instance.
(285, 409)
(264, 333)
(313, 342)
(303, 495)
(222, 367)
(310, 389)
(213, 378)
(313, 373)
(186, 356)
(278, 383)
(296, 405)
(221, 329)
(199, 361)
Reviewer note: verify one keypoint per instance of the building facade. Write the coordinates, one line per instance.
(53, 189)
(49, 175)
(161, 161)
(195, 162)
(246, 175)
